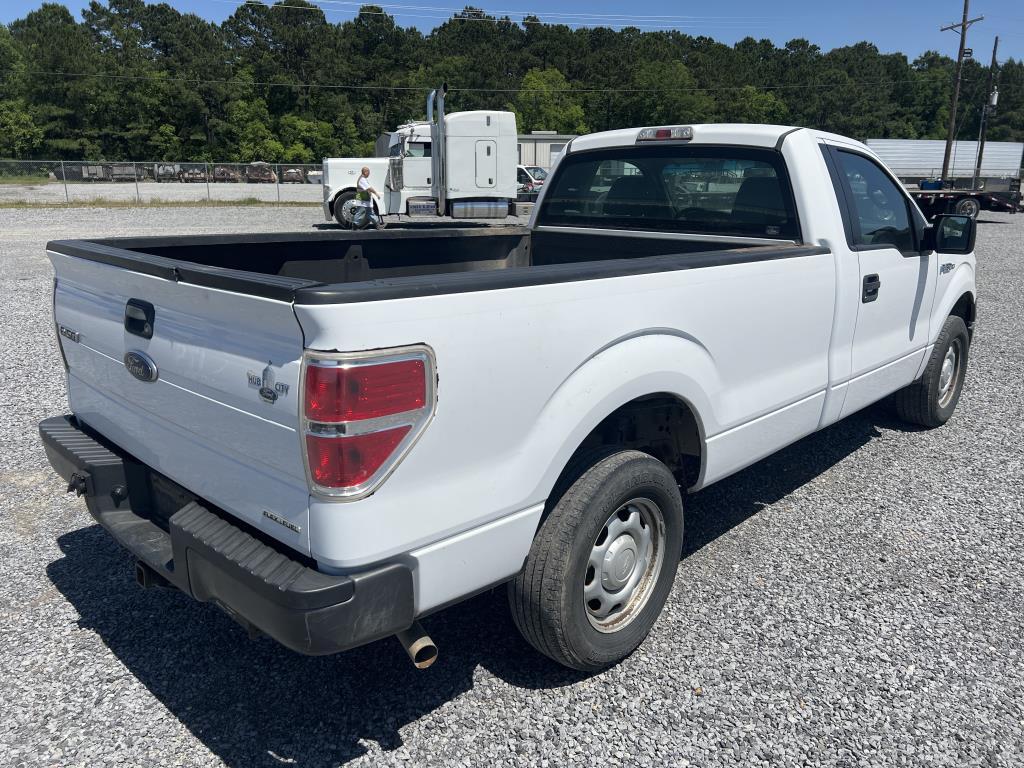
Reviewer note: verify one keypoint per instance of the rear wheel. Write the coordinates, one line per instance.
(931, 400)
(343, 209)
(602, 563)
(968, 206)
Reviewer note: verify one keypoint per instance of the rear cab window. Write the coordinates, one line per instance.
(691, 189)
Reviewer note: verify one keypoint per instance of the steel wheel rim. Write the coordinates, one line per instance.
(949, 373)
(348, 212)
(968, 207)
(624, 563)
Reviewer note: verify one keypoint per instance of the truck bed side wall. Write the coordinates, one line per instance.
(516, 396)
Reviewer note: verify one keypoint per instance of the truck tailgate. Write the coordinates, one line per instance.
(220, 413)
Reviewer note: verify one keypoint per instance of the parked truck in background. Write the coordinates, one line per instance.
(461, 165)
(936, 197)
(975, 181)
(333, 434)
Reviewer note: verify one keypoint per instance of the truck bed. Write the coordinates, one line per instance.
(345, 267)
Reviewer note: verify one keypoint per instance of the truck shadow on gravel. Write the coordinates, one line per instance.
(253, 703)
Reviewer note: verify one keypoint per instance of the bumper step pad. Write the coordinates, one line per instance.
(212, 559)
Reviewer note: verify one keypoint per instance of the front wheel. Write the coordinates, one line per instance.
(602, 564)
(931, 400)
(343, 209)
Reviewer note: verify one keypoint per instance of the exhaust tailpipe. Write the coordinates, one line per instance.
(147, 577)
(418, 645)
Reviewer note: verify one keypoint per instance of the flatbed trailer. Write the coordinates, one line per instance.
(967, 202)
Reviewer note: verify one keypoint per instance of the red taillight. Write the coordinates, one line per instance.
(666, 133)
(335, 394)
(343, 462)
(362, 412)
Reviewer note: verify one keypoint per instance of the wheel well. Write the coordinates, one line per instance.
(966, 309)
(661, 425)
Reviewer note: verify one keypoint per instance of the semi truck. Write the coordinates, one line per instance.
(461, 165)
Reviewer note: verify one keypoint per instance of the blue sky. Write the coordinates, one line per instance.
(907, 26)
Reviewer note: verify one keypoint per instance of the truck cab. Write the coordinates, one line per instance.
(461, 165)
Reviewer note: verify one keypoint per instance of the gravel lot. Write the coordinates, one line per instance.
(855, 600)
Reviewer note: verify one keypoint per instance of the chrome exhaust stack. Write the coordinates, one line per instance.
(439, 149)
(418, 645)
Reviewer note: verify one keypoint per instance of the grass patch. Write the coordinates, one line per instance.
(27, 179)
(156, 202)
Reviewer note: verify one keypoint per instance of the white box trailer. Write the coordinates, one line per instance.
(913, 159)
(461, 165)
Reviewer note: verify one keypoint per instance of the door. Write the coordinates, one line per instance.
(486, 163)
(418, 169)
(896, 282)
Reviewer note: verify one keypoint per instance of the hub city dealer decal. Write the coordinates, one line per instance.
(266, 385)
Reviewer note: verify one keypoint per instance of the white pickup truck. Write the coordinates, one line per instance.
(334, 434)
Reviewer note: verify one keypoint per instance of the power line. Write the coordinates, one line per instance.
(559, 19)
(383, 87)
(534, 13)
(562, 14)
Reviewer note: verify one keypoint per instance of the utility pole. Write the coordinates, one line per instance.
(961, 29)
(991, 99)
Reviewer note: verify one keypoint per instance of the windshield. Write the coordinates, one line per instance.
(537, 172)
(697, 189)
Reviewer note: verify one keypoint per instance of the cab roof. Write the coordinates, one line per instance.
(707, 133)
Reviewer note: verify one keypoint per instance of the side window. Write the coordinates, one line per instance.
(417, 149)
(879, 208)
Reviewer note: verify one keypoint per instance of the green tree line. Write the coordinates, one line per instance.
(281, 83)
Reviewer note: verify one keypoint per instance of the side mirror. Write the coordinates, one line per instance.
(950, 233)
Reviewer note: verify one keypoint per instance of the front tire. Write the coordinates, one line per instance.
(931, 400)
(602, 564)
(342, 216)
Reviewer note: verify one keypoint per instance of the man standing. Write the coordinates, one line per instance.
(363, 214)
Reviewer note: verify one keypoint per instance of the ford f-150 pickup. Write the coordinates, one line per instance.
(333, 434)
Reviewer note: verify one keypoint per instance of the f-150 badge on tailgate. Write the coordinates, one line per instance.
(141, 366)
(269, 388)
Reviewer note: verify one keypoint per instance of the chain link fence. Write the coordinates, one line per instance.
(71, 182)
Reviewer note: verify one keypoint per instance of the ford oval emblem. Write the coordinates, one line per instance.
(141, 366)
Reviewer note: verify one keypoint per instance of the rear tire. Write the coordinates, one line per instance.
(931, 400)
(339, 206)
(967, 206)
(602, 564)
